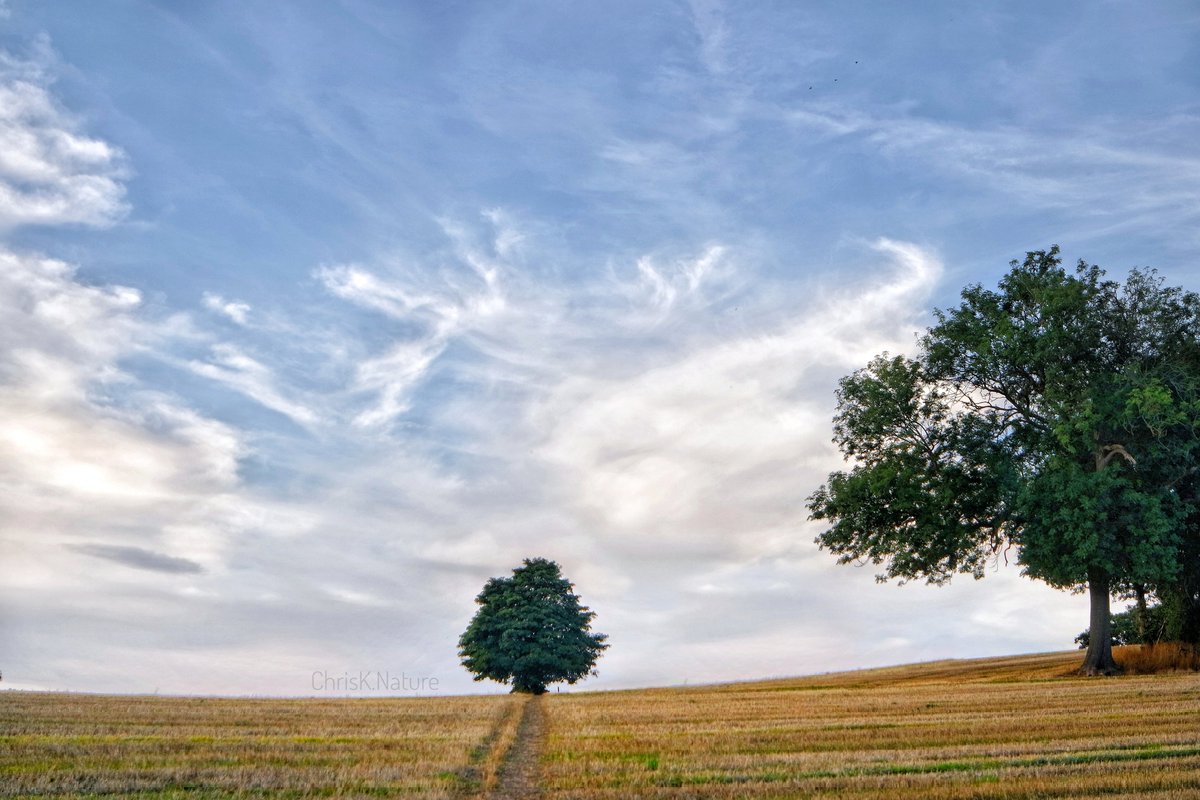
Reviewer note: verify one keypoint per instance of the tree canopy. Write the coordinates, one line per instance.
(1056, 415)
(531, 630)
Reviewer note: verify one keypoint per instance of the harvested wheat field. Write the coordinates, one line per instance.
(992, 728)
(1018, 727)
(72, 745)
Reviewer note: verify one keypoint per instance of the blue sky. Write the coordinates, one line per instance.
(316, 315)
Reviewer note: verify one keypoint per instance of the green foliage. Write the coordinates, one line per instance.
(1057, 415)
(1078, 519)
(530, 630)
(1125, 628)
(923, 497)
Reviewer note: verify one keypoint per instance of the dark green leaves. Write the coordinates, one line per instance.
(1056, 414)
(925, 496)
(530, 629)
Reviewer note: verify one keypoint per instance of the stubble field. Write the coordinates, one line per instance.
(71, 746)
(995, 728)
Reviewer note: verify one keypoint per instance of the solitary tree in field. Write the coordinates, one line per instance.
(1056, 415)
(530, 630)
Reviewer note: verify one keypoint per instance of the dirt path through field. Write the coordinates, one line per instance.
(519, 773)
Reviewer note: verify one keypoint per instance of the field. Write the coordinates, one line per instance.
(995, 728)
(70, 745)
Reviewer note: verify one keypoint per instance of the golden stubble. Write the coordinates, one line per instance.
(1012, 727)
(991, 728)
(76, 745)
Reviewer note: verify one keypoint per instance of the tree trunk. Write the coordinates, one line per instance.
(523, 685)
(1099, 658)
(1140, 614)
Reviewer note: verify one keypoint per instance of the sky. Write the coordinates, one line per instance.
(316, 315)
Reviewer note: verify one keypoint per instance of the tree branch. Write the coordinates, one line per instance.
(1109, 452)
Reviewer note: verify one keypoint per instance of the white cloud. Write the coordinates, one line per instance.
(229, 365)
(439, 306)
(45, 308)
(238, 312)
(393, 377)
(125, 521)
(509, 236)
(79, 467)
(660, 286)
(710, 449)
(98, 470)
(353, 283)
(50, 173)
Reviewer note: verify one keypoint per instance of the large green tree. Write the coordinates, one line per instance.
(531, 630)
(1054, 416)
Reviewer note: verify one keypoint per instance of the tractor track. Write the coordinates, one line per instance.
(519, 773)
